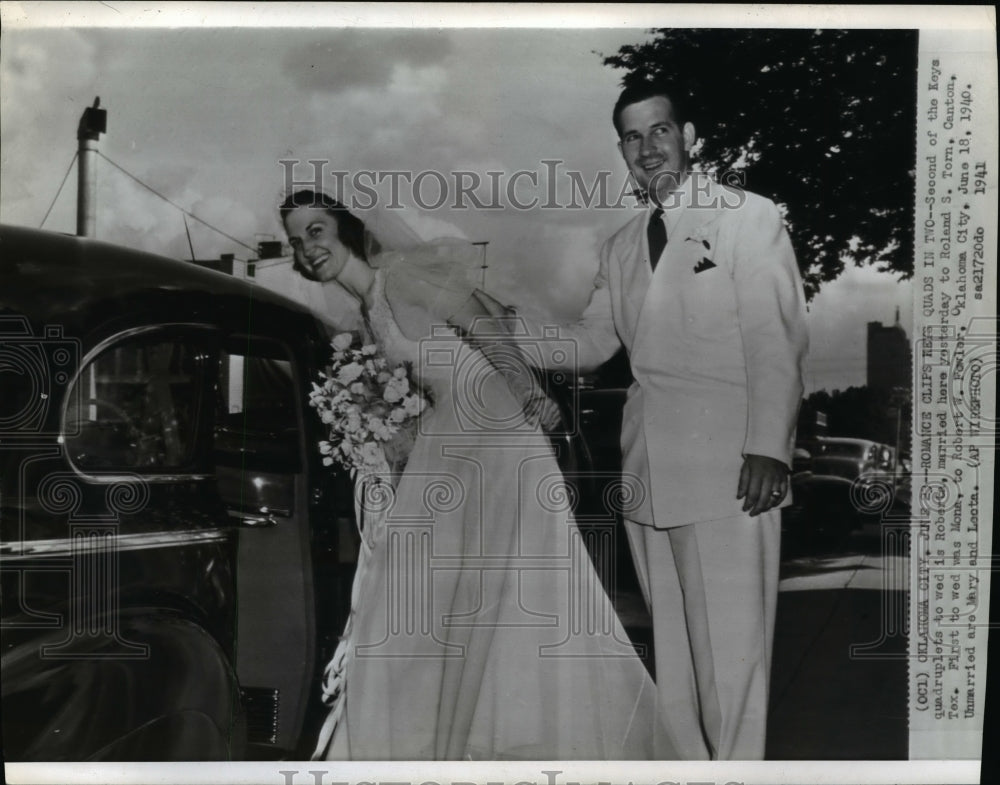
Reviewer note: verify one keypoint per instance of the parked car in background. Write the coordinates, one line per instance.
(599, 514)
(839, 483)
(171, 584)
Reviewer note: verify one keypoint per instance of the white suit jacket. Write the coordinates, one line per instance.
(716, 337)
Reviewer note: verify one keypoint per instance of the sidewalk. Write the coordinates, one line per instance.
(827, 704)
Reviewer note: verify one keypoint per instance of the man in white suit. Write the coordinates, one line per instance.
(714, 325)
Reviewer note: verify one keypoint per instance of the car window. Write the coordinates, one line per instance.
(257, 409)
(137, 405)
(846, 449)
(257, 439)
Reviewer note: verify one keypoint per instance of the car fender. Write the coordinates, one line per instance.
(160, 688)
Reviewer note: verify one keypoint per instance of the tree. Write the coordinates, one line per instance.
(820, 121)
(866, 413)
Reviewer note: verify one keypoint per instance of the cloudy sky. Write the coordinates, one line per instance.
(205, 115)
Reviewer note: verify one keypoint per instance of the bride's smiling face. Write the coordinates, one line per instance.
(312, 233)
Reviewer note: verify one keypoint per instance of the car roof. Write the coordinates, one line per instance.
(845, 440)
(57, 278)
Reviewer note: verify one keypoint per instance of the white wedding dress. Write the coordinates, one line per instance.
(479, 628)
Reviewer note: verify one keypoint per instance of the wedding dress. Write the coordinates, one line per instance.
(479, 629)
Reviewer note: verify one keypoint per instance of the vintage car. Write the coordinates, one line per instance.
(175, 560)
(839, 483)
(172, 551)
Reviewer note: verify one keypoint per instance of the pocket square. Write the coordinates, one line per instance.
(704, 264)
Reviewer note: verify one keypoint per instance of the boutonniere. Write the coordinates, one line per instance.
(700, 238)
(702, 233)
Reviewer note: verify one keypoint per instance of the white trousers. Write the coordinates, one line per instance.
(712, 588)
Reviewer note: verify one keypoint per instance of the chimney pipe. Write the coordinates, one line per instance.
(93, 123)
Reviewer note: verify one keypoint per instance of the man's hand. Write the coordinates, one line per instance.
(763, 483)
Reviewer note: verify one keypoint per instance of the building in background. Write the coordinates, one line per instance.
(224, 264)
(244, 268)
(888, 356)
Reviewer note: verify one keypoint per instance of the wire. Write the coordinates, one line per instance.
(65, 177)
(174, 204)
(188, 233)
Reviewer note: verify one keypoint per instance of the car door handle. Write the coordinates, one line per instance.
(260, 520)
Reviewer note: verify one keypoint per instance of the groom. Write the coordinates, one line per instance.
(703, 291)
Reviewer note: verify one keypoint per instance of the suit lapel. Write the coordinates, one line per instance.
(635, 273)
(638, 275)
(673, 270)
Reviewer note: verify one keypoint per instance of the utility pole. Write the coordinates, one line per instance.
(93, 123)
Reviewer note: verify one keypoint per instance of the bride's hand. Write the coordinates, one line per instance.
(543, 412)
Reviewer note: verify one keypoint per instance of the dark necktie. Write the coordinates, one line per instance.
(656, 233)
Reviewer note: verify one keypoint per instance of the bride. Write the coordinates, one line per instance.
(479, 629)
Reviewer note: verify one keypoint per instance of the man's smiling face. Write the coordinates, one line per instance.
(654, 146)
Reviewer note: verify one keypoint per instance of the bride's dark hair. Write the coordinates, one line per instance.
(350, 228)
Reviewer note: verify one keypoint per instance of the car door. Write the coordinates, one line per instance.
(117, 562)
(261, 469)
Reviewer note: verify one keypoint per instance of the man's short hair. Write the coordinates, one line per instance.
(643, 90)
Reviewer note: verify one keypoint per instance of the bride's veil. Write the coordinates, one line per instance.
(385, 230)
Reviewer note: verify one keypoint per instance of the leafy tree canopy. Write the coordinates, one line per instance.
(866, 413)
(820, 121)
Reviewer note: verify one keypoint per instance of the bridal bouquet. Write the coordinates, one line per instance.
(370, 409)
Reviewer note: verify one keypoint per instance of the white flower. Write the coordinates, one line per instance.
(352, 404)
(702, 233)
(349, 373)
(413, 405)
(395, 389)
(379, 428)
(370, 452)
(392, 393)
